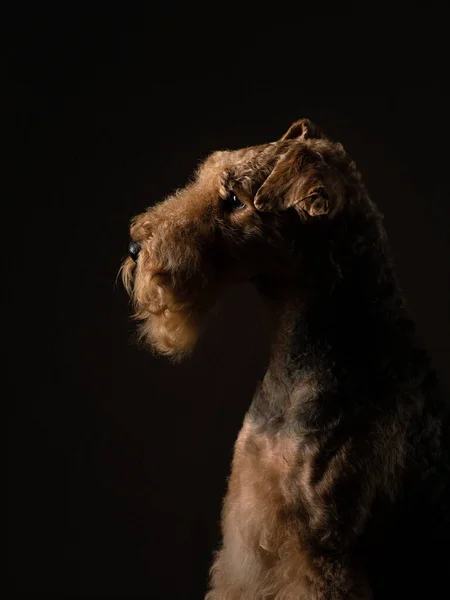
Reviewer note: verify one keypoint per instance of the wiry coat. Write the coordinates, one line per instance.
(340, 478)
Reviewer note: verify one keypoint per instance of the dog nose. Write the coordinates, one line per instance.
(133, 250)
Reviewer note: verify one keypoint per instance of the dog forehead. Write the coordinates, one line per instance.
(224, 160)
(245, 164)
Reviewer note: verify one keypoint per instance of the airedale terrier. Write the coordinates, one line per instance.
(340, 477)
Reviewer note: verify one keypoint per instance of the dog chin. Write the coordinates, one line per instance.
(171, 314)
(172, 334)
(170, 307)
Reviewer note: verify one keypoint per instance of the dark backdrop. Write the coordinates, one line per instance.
(118, 461)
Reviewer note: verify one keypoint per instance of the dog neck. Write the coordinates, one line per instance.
(339, 346)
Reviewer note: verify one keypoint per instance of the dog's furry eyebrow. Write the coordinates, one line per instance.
(227, 180)
(239, 183)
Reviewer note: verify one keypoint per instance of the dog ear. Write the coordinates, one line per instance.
(303, 129)
(301, 178)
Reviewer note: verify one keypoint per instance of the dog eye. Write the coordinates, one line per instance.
(233, 203)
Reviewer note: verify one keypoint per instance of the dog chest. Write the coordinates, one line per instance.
(261, 504)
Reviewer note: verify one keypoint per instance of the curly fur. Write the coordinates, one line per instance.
(340, 479)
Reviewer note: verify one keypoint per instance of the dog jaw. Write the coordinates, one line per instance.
(170, 308)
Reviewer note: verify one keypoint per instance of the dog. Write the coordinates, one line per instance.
(339, 485)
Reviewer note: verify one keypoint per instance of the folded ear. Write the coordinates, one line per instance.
(301, 178)
(303, 129)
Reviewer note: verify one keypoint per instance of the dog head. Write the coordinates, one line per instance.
(254, 213)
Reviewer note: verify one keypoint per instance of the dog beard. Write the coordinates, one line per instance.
(171, 307)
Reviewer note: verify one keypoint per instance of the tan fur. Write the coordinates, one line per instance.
(262, 555)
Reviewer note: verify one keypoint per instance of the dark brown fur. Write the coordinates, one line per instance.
(340, 479)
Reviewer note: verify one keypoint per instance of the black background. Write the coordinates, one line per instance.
(117, 460)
